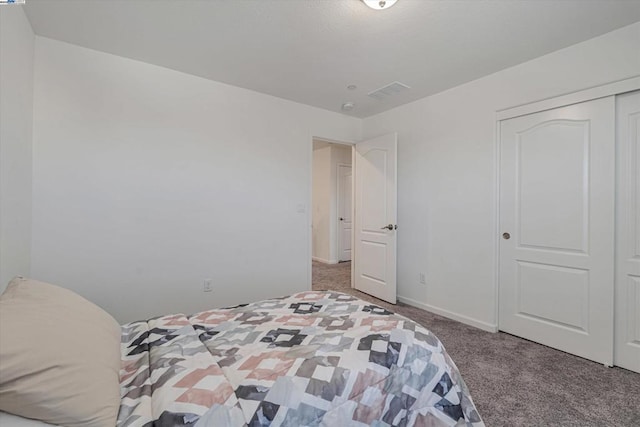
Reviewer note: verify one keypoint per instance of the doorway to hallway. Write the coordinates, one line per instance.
(331, 277)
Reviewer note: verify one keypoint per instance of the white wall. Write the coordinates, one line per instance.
(447, 170)
(325, 200)
(146, 181)
(16, 120)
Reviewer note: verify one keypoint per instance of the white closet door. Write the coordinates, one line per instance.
(627, 340)
(557, 214)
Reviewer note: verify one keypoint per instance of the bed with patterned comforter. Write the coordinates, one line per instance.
(311, 359)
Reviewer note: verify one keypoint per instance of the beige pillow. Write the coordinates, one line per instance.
(59, 356)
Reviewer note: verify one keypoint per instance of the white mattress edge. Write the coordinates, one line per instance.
(11, 420)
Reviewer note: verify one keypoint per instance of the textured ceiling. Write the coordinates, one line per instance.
(309, 51)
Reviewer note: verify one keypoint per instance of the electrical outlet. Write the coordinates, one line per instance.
(207, 286)
(423, 279)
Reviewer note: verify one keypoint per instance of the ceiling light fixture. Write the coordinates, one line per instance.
(379, 4)
(348, 106)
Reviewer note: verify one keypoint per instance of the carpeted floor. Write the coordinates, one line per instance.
(515, 382)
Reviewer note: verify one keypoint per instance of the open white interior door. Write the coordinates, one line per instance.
(375, 188)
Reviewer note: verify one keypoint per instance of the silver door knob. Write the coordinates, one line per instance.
(506, 236)
(387, 227)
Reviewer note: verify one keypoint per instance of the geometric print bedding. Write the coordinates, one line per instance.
(310, 359)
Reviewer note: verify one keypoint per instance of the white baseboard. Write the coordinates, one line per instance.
(324, 261)
(450, 315)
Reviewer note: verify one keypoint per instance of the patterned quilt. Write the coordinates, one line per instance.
(311, 359)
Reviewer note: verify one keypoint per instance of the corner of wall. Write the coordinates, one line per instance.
(17, 53)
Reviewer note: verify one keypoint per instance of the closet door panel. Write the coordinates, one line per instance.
(557, 184)
(627, 337)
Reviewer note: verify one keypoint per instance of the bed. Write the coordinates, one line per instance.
(309, 359)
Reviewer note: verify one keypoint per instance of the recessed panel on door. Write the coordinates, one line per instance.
(372, 170)
(373, 266)
(557, 183)
(562, 193)
(633, 321)
(570, 286)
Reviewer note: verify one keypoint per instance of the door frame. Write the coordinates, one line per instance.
(310, 203)
(338, 205)
(608, 89)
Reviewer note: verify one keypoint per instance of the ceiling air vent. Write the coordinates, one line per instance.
(388, 91)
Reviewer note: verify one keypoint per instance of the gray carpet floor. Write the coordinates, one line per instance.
(515, 382)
